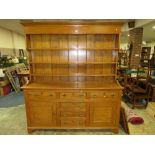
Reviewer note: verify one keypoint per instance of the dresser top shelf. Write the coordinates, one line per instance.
(72, 85)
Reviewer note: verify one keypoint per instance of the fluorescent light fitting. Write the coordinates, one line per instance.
(153, 27)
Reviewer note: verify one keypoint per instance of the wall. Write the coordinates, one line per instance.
(124, 46)
(11, 42)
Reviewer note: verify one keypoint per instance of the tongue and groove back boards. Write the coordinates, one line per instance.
(60, 55)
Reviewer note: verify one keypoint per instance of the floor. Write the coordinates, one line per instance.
(13, 120)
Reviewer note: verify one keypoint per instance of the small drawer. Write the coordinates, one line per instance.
(72, 114)
(96, 94)
(34, 93)
(67, 95)
(73, 104)
(103, 94)
(49, 94)
(39, 103)
(80, 95)
(111, 94)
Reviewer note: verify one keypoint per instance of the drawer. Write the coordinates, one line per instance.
(70, 95)
(42, 93)
(67, 95)
(72, 114)
(80, 94)
(35, 93)
(111, 94)
(72, 122)
(96, 94)
(103, 94)
(39, 103)
(74, 105)
(41, 96)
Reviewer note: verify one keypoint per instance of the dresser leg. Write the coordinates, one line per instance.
(116, 131)
(29, 131)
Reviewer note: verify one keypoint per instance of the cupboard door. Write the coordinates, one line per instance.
(42, 116)
(102, 113)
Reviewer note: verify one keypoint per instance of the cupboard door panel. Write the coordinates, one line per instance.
(42, 116)
(102, 114)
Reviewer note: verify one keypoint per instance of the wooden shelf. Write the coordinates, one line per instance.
(76, 74)
(76, 63)
(63, 49)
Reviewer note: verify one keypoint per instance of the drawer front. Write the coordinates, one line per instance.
(41, 96)
(80, 95)
(103, 94)
(72, 122)
(96, 94)
(71, 95)
(111, 94)
(66, 95)
(39, 103)
(73, 105)
(42, 93)
(72, 114)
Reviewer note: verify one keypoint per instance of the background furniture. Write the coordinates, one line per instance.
(73, 76)
(145, 56)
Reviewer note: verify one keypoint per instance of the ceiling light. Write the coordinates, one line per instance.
(144, 42)
(153, 27)
(128, 35)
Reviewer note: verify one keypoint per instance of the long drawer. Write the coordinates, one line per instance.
(73, 106)
(72, 113)
(72, 122)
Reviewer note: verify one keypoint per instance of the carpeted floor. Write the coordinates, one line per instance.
(13, 120)
(11, 100)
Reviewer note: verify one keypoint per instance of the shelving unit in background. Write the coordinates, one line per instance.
(145, 56)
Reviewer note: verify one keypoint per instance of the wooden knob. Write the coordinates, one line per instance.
(113, 94)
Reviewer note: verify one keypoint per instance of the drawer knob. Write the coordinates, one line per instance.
(64, 95)
(51, 95)
(113, 94)
(94, 95)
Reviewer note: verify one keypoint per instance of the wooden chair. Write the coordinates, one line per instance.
(136, 94)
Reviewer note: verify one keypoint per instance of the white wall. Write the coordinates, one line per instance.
(5, 38)
(124, 46)
(19, 41)
(10, 42)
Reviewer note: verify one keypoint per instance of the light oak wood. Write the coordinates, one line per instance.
(72, 76)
